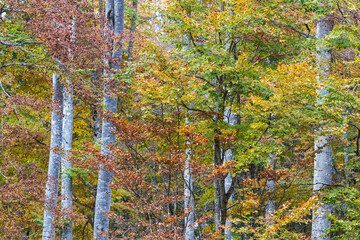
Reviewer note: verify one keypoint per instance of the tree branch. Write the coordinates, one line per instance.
(10, 44)
(21, 64)
(295, 30)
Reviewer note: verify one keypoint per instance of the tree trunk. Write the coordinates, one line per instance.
(51, 191)
(115, 13)
(270, 189)
(218, 184)
(66, 164)
(230, 118)
(95, 110)
(228, 182)
(132, 30)
(189, 203)
(323, 152)
(221, 195)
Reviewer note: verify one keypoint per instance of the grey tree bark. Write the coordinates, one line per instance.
(189, 204)
(115, 14)
(223, 186)
(270, 189)
(51, 191)
(230, 118)
(66, 164)
(323, 152)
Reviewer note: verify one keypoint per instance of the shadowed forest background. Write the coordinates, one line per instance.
(179, 119)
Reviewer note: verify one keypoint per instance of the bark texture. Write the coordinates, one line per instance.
(66, 164)
(323, 155)
(230, 118)
(115, 14)
(223, 186)
(270, 189)
(51, 191)
(189, 203)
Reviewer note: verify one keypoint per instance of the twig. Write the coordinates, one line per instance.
(192, 109)
(148, 20)
(294, 29)
(2, 87)
(3, 174)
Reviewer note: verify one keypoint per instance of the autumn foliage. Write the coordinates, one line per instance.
(197, 79)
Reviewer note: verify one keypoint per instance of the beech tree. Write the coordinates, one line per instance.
(66, 164)
(54, 160)
(323, 152)
(115, 15)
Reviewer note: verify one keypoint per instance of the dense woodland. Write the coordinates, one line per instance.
(179, 119)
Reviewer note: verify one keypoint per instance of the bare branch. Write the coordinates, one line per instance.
(2, 87)
(147, 19)
(22, 64)
(295, 30)
(16, 44)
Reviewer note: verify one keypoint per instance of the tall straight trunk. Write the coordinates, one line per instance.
(96, 107)
(132, 29)
(223, 186)
(219, 184)
(115, 13)
(66, 164)
(270, 189)
(323, 152)
(230, 118)
(51, 191)
(96, 120)
(189, 203)
(228, 182)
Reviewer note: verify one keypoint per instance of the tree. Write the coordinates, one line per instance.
(323, 152)
(115, 14)
(51, 191)
(66, 164)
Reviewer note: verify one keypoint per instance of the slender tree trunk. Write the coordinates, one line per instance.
(222, 194)
(51, 191)
(66, 164)
(96, 120)
(132, 30)
(223, 186)
(189, 204)
(270, 189)
(218, 183)
(230, 118)
(100, 6)
(96, 107)
(115, 14)
(228, 182)
(323, 152)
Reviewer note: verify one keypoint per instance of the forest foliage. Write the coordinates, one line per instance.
(196, 79)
